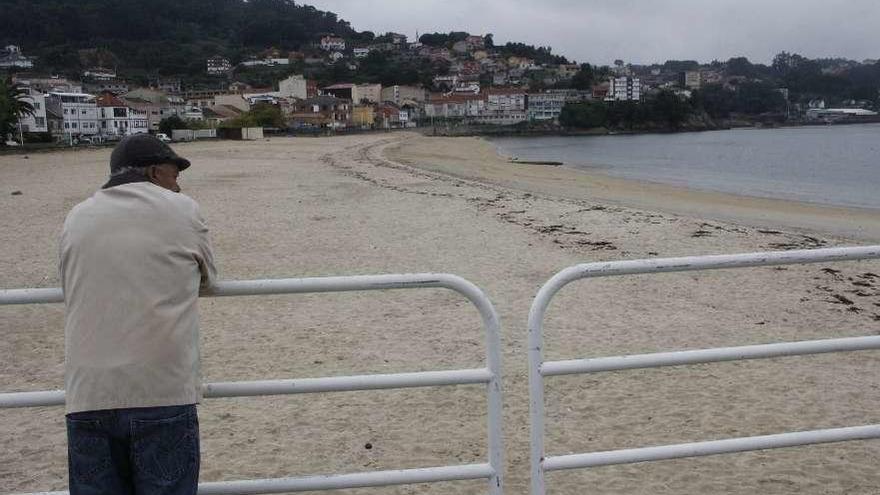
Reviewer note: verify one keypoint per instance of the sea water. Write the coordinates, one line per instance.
(833, 165)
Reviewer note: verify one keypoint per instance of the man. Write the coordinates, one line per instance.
(133, 259)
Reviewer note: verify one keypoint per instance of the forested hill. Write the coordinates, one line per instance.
(165, 36)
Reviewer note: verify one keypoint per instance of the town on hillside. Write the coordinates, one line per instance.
(449, 80)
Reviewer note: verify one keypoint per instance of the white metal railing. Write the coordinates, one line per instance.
(490, 375)
(538, 369)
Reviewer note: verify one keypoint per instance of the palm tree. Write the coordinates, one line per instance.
(13, 107)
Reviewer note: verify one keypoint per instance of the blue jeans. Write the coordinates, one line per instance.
(137, 451)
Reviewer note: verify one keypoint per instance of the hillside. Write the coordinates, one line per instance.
(159, 37)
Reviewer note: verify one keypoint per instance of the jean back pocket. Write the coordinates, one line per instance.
(166, 450)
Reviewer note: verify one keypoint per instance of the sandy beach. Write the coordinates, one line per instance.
(400, 202)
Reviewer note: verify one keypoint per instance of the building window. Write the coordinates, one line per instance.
(73, 124)
(65, 111)
(83, 111)
(36, 105)
(67, 125)
(41, 121)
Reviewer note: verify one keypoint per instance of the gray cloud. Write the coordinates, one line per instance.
(639, 31)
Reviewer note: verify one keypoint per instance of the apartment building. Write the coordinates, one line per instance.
(624, 88)
(78, 111)
(36, 122)
(117, 120)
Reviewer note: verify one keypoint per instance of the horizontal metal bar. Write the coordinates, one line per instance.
(721, 261)
(32, 399)
(287, 387)
(659, 359)
(699, 449)
(355, 480)
(347, 383)
(277, 286)
(31, 296)
(340, 481)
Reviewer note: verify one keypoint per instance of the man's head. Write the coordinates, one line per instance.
(145, 157)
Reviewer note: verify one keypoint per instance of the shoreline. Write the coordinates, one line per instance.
(457, 158)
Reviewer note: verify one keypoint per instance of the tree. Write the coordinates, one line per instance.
(755, 98)
(13, 107)
(261, 115)
(168, 124)
(584, 115)
(667, 106)
(714, 100)
(740, 66)
(681, 65)
(583, 79)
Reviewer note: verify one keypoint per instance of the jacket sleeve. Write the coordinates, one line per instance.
(204, 255)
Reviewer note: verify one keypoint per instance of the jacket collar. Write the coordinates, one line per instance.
(126, 178)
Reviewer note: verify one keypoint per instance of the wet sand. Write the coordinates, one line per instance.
(393, 203)
(478, 159)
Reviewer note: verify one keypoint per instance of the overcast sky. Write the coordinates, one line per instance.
(639, 31)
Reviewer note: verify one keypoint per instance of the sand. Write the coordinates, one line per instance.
(393, 203)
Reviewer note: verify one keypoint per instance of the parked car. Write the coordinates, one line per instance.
(163, 137)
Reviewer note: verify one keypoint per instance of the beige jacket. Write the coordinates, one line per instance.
(133, 258)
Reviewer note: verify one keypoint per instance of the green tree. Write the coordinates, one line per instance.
(168, 124)
(716, 101)
(261, 115)
(584, 115)
(740, 66)
(668, 107)
(758, 98)
(584, 77)
(13, 107)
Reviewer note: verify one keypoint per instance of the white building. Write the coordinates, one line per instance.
(504, 107)
(294, 86)
(117, 120)
(400, 94)
(100, 74)
(832, 114)
(467, 88)
(11, 57)
(624, 89)
(546, 106)
(331, 43)
(268, 62)
(449, 81)
(361, 52)
(48, 84)
(37, 121)
(690, 79)
(78, 111)
(156, 103)
(455, 107)
(218, 66)
(369, 92)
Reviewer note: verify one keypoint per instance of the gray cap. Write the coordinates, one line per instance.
(143, 150)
